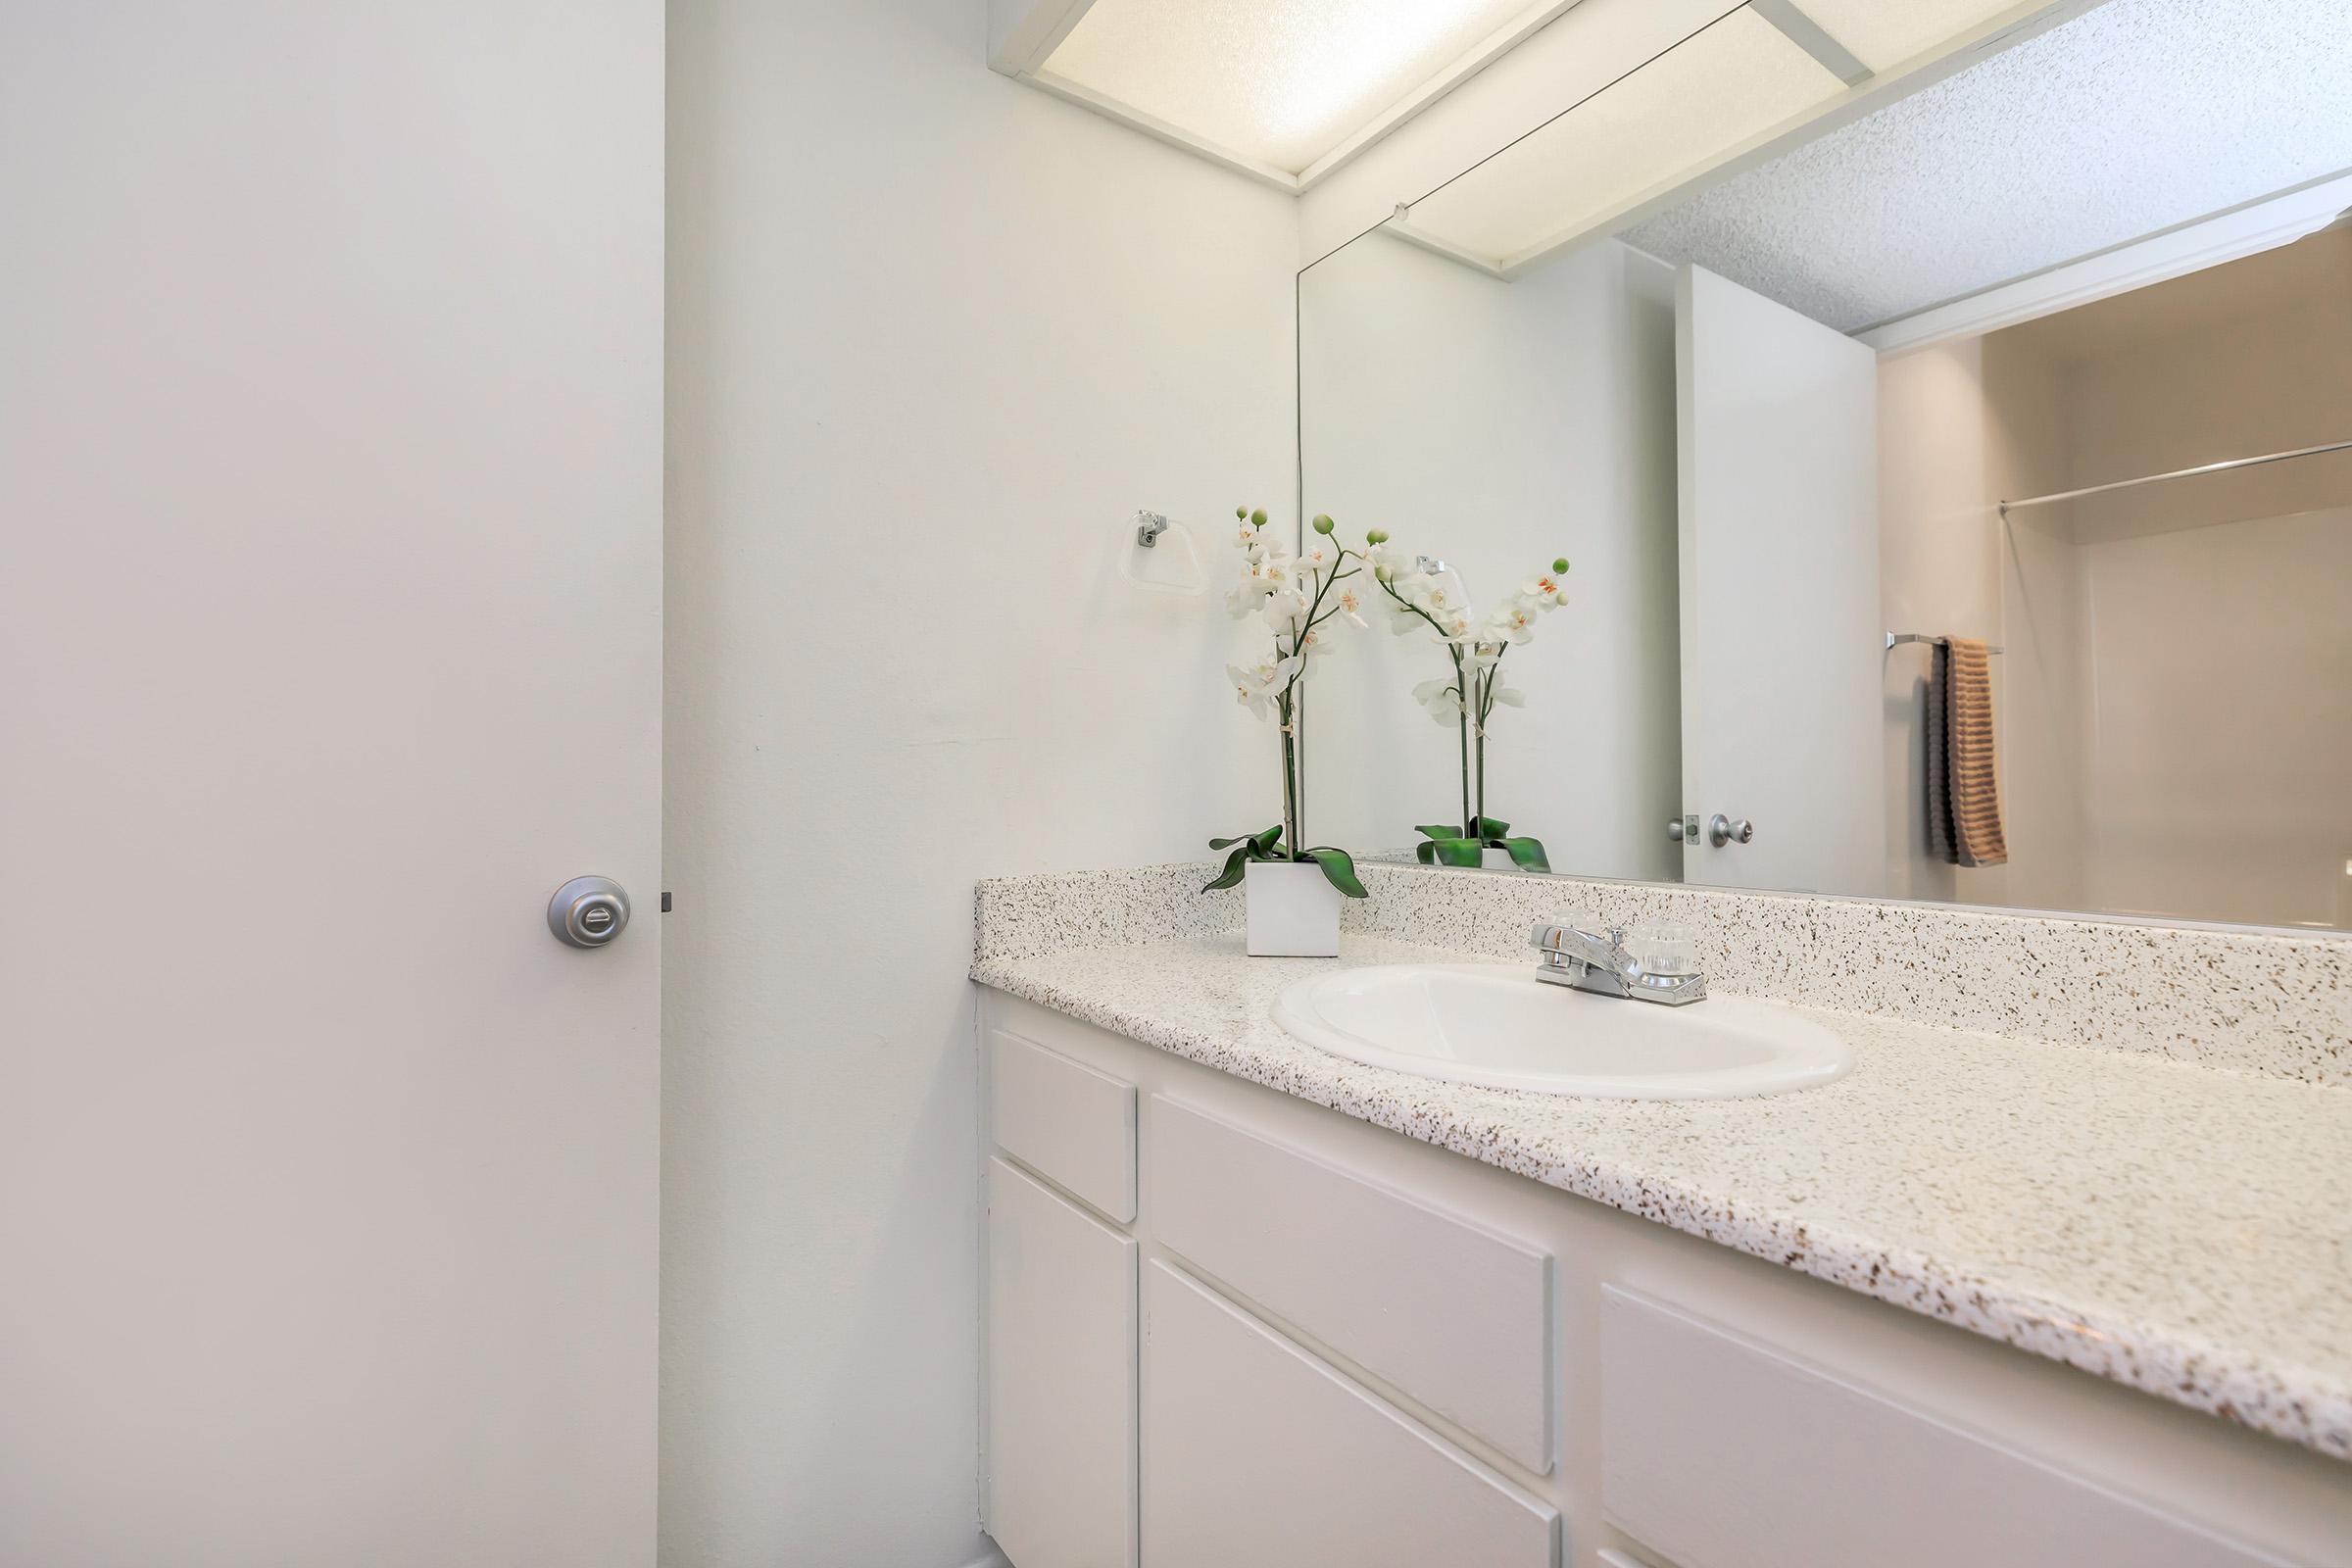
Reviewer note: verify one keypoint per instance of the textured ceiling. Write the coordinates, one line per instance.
(2132, 119)
(1283, 82)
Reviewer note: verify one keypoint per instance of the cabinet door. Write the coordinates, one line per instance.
(1060, 1464)
(1725, 1453)
(1258, 1455)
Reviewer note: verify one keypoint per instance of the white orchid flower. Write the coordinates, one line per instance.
(1512, 623)
(1543, 585)
(1285, 610)
(1259, 686)
(1350, 604)
(1273, 572)
(1442, 702)
(1320, 555)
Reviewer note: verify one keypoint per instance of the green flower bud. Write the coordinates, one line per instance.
(1377, 536)
(1560, 565)
(1323, 524)
(1242, 513)
(1257, 519)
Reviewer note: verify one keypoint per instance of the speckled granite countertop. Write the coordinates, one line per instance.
(2182, 1230)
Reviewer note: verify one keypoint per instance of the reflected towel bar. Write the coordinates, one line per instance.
(2008, 507)
(1895, 639)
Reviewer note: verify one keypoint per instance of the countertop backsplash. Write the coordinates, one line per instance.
(2273, 1004)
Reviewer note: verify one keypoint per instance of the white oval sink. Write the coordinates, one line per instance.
(1499, 1026)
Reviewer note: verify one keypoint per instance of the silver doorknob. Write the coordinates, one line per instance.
(588, 911)
(1722, 830)
(1682, 829)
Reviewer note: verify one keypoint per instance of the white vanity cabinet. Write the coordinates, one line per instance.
(1226, 1328)
(1060, 1361)
(1259, 1454)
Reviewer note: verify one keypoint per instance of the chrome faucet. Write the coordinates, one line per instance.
(1649, 963)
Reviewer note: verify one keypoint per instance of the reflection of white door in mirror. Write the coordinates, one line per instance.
(1779, 593)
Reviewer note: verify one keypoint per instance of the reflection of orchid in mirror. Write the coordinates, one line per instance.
(1295, 596)
(1476, 645)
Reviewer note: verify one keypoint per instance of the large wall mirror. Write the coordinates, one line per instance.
(1956, 484)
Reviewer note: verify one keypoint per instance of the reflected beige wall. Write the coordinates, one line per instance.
(2175, 698)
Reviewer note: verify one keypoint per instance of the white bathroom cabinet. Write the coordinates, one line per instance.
(1226, 1328)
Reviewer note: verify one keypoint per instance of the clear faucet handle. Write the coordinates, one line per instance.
(1664, 947)
(1551, 934)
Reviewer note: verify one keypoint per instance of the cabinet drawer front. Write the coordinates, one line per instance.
(1722, 1453)
(1064, 1121)
(1258, 1455)
(1456, 1317)
(1062, 1323)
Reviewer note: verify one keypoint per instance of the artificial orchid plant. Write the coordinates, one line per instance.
(1295, 596)
(1476, 644)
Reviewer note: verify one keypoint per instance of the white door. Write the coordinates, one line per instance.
(1780, 644)
(330, 437)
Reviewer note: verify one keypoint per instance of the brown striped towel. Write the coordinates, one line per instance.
(1967, 807)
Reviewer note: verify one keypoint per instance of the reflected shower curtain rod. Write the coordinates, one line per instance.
(2177, 473)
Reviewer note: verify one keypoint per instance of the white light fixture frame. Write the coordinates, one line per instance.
(1022, 35)
(2010, 26)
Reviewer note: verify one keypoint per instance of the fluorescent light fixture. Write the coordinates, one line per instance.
(1279, 82)
(1727, 84)
(1882, 34)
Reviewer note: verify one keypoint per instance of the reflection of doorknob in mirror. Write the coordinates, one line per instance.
(1722, 830)
(1682, 829)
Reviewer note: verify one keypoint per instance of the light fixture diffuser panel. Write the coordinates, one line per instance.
(1281, 81)
(1728, 83)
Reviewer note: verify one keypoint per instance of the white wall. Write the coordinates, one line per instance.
(934, 337)
(1500, 426)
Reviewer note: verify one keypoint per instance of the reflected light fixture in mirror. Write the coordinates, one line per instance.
(1740, 83)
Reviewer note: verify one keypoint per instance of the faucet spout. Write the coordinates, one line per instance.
(1586, 956)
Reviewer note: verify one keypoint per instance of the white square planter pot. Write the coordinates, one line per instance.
(1294, 911)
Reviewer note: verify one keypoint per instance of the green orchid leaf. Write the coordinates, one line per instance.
(1236, 865)
(1456, 852)
(1261, 845)
(1443, 830)
(1426, 853)
(1493, 829)
(1339, 869)
(1527, 853)
(1225, 843)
